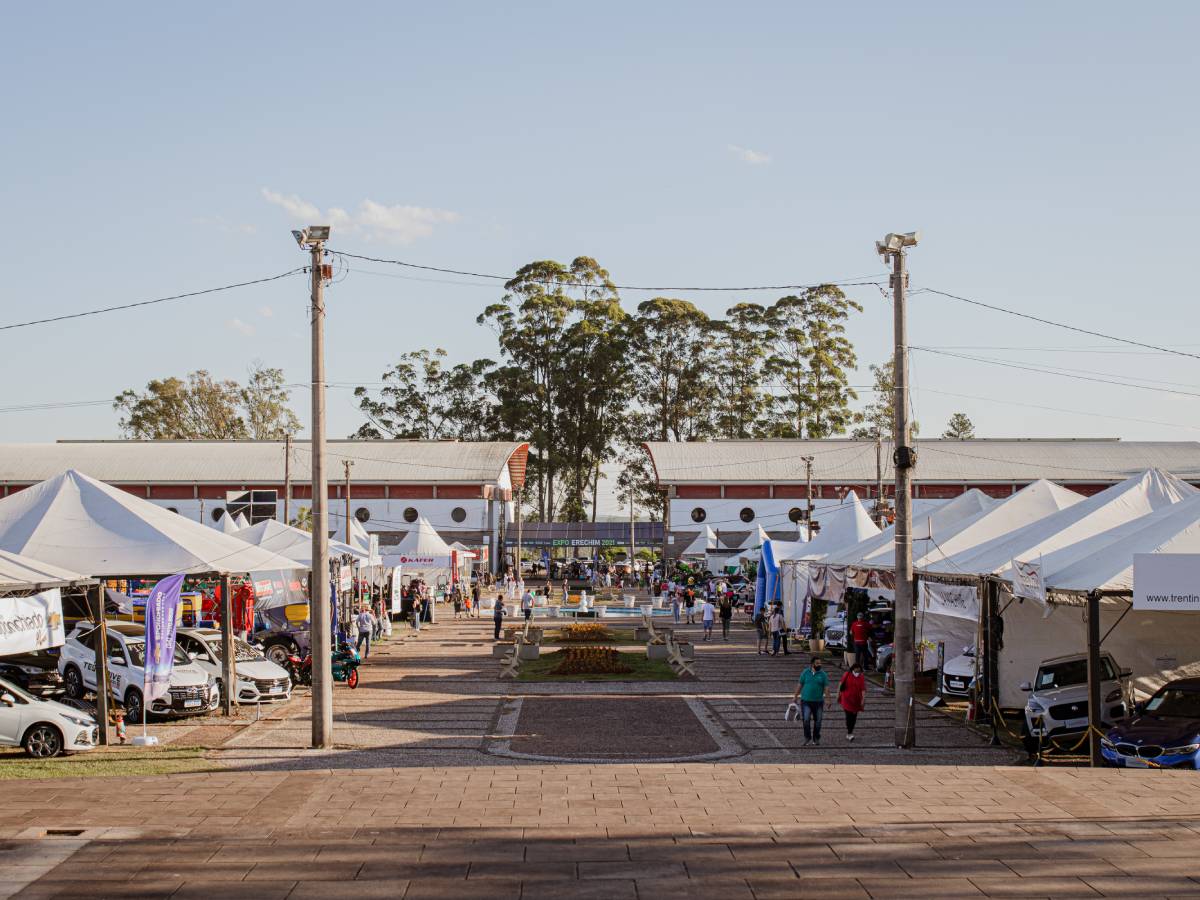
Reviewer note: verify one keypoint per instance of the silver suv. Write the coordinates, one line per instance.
(1058, 698)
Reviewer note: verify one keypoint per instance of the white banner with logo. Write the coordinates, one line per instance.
(31, 623)
(1166, 582)
(1027, 581)
(960, 601)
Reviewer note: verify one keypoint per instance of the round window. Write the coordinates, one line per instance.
(747, 515)
(410, 514)
(218, 514)
(698, 514)
(458, 514)
(362, 514)
(796, 514)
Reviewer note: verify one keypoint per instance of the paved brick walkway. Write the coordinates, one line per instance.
(420, 800)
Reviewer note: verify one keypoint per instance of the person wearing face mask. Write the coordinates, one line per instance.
(810, 692)
(852, 693)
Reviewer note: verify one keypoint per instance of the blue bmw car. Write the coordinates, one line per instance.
(1165, 732)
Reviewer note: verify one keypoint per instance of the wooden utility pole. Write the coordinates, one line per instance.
(808, 461)
(201, 510)
(1094, 677)
(321, 628)
(228, 678)
(346, 464)
(892, 248)
(879, 516)
(100, 644)
(287, 479)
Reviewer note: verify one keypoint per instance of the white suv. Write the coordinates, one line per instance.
(258, 679)
(45, 728)
(191, 690)
(1058, 698)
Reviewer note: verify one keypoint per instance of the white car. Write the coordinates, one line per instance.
(958, 673)
(191, 690)
(45, 728)
(1058, 698)
(258, 679)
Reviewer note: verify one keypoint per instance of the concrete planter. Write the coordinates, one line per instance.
(529, 651)
(499, 650)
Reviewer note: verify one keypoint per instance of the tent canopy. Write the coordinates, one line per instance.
(76, 522)
(1114, 506)
(704, 543)
(292, 542)
(422, 549)
(20, 573)
(842, 526)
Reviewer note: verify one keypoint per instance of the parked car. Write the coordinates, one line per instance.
(191, 690)
(1058, 698)
(959, 673)
(44, 728)
(283, 632)
(1164, 732)
(884, 657)
(36, 673)
(258, 679)
(835, 631)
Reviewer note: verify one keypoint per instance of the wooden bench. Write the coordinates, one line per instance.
(677, 661)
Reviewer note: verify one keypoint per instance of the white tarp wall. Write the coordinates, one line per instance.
(31, 623)
(949, 614)
(1158, 646)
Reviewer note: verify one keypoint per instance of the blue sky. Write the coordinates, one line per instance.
(1045, 151)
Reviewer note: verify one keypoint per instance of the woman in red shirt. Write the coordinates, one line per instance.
(852, 695)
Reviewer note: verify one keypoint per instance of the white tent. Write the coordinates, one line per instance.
(705, 542)
(754, 539)
(241, 521)
(422, 551)
(76, 522)
(292, 542)
(227, 525)
(1134, 497)
(20, 573)
(464, 551)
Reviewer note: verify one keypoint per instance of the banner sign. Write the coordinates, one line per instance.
(162, 612)
(277, 588)
(958, 601)
(1027, 581)
(31, 623)
(1166, 581)
(397, 599)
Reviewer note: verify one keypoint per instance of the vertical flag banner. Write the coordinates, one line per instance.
(1027, 581)
(162, 612)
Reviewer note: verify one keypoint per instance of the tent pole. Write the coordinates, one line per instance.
(101, 647)
(1094, 678)
(227, 676)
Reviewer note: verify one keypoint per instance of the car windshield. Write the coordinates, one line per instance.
(1070, 672)
(242, 652)
(137, 654)
(1173, 703)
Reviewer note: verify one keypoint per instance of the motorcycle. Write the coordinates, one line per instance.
(345, 661)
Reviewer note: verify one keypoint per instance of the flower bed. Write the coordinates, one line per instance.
(583, 632)
(589, 661)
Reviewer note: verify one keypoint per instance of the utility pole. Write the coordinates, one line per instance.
(314, 238)
(520, 497)
(287, 479)
(892, 248)
(632, 545)
(879, 517)
(201, 510)
(808, 461)
(352, 603)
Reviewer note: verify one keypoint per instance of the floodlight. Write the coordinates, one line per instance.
(321, 233)
(299, 236)
(895, 243)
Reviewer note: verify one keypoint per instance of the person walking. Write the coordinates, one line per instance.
(675, 606)
(852, 696)
(416, 611)
(456, 597)
(778, 627)
(476, 596)
(761, 624)
(708, 614)
(810, 692)
(689, 603)
(860, 634)
(527, 605)
(366, 626)
(725, 610)
(498, 617)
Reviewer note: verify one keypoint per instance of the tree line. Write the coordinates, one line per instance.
(585, 381)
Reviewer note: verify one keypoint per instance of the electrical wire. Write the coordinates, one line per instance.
(139, 303)
(850, 282)
(1075, 328)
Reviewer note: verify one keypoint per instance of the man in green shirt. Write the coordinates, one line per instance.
(810, 692)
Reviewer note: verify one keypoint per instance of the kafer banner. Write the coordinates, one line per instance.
(959, 601)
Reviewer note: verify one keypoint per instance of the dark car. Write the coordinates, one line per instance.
(36, 673)
(1165, 732)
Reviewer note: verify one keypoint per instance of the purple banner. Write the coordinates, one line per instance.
(162, 612)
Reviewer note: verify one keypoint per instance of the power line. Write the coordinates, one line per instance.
(850, 282)
(108, 309)
(1075, 328)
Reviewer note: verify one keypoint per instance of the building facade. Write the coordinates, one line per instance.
(734, 487)
(465, 490)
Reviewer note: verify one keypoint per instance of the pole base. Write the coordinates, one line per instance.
(147, 740)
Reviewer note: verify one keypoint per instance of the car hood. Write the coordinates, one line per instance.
(63, 710)
(261, 668)
(190, 675)
(1149, 729)
(960, 665)
(1075, 693)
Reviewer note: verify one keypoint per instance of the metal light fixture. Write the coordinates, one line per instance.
(896, 243)
(313, 234)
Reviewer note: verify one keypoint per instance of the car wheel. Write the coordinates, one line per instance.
(43, 741)
(278, 653)
(74, 683)
(135, 709)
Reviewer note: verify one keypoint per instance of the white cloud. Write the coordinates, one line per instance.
(266, 312)
(400, 224)
(243, 328)
(748, 156)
